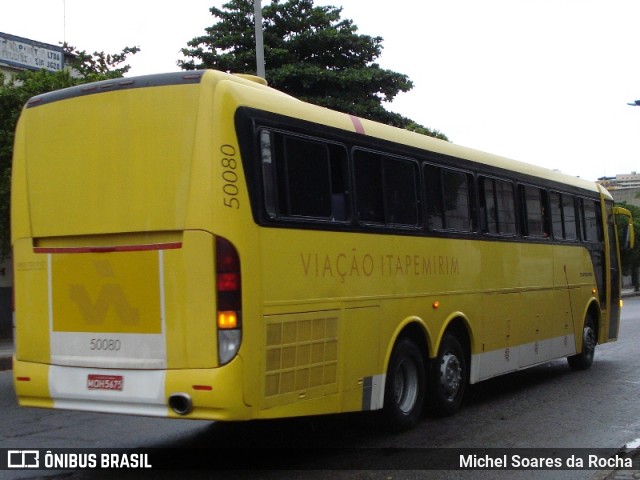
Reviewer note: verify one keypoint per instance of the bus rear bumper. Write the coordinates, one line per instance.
(213, 394)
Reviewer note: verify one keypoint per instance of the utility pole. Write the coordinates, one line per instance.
(257, 6)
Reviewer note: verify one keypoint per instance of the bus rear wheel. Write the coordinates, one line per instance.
(405, 386)
(448, 377)
(584, 359)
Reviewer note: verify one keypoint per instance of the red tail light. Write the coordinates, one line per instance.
(229, 298)
(228, 282)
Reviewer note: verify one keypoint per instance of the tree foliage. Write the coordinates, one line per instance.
(100, 65)
(310, 53)
(16, 90)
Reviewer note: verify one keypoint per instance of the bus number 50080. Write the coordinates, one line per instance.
(108, 344)
(229, 176)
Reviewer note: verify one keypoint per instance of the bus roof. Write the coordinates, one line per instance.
(314, 112)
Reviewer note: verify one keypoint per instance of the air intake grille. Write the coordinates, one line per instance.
(302, 356)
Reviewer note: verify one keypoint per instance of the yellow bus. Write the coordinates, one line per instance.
(198, 245)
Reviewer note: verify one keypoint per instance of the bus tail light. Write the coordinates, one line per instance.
(229, 298)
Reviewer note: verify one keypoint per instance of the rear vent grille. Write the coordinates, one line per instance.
(302, 355)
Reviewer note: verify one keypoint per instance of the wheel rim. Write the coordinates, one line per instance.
(450, 375)
(405, 386)
(589, 341)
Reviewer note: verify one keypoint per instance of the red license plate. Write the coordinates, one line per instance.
(105, 382)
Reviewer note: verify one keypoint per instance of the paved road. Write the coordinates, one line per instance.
(546, 406)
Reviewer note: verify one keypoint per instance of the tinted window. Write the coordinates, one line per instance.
(386, 190)
(563, 216)
(400, 191)
(498, 206)
(591, 225)
(303, 177)
(533, 211)
(448, 198)
(433, 186)
(556, 215)
(368, 175)
(569, 217)
(306, 178)
(457, 213)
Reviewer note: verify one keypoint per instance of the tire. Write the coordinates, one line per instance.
(404, 390)
(448, 377)
(584, 359)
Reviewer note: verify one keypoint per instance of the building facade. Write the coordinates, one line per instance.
(623, 187)
(18, 54)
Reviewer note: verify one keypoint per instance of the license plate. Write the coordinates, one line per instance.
(105, 382)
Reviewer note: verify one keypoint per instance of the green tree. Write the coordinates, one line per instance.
(14, 93)
(100, 65)
(310, 53)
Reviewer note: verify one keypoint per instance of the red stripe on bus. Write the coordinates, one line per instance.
(357, 124)
(119, 248)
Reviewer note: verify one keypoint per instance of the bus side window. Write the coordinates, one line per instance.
(489, 212)
(433, 187)
(400, 191)
(304, 177)
(499, 206)
(369, 193)
(340, 191)
(506, 207)
(268, 174)
(448, 199)
(308, 178)
(534, 212)
(386, 189)
(457, 204)
(563, 216)
(592, 229)
(555, 199)
(569, 217)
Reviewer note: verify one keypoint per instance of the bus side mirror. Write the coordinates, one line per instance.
(629, 237)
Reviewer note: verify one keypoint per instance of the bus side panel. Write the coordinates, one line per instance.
(31, 303)
(189, 303)
(582, 275)
(374, 282)
(361, 347)
(500, 336)
(233, 220)
(543, 289)
(31, 382)
(500, 279)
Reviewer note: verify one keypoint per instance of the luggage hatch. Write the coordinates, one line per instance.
(107, 309)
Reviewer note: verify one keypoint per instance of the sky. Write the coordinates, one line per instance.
(542, 81)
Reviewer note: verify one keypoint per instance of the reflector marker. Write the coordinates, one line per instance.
(202, 387)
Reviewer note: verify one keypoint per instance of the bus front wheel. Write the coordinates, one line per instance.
(405, 386)
(448, 377)
(584, 359)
